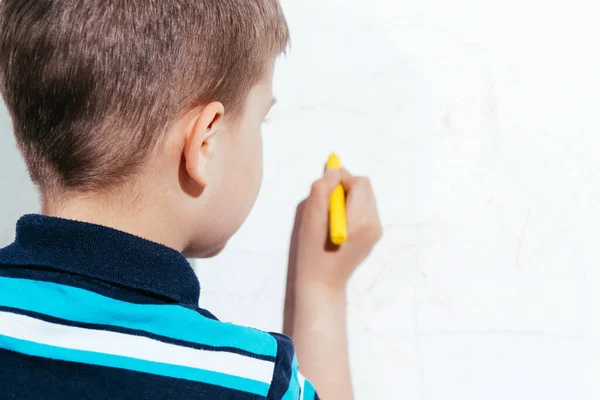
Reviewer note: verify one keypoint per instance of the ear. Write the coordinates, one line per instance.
(200, 142)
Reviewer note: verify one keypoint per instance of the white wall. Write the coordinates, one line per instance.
(17, 195)
(479, 123)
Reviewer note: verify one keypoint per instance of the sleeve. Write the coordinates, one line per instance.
(288, 383)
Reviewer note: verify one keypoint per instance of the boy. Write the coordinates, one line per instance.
(140, 122)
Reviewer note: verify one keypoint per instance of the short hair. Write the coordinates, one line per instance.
(92, 85)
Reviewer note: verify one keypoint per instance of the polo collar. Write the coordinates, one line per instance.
(105, 254)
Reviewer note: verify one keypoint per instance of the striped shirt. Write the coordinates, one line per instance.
(88, 312)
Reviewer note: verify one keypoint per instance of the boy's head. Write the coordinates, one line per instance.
(146, 98)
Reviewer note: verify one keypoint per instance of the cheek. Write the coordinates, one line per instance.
(232, 192)
(259, 164)
(244, 175)
(253, 167)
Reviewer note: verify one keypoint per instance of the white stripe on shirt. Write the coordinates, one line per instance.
(301, 381)
(142, 348)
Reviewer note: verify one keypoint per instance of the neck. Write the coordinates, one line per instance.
(151, 221)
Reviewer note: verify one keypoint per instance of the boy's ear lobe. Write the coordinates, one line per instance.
(201, 141)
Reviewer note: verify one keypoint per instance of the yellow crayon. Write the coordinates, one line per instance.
(338, 225)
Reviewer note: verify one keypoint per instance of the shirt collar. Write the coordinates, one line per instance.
(105, 254)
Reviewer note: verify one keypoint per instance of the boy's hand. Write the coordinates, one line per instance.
(315, 309)
(314, 259)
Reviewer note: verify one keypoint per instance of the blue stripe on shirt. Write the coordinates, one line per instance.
(309, 392)
(108, 360)
(172, 321)
(118, 329)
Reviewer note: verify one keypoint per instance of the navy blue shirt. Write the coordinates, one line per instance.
(89, 312)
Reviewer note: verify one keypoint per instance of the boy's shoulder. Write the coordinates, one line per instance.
(273, 353)
(83, 305)
(88, 322)
(266, 360)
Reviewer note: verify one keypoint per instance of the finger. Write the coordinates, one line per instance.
(321, 190)
(346, 179)
(356, 185)
(360, 199)
(363, 215)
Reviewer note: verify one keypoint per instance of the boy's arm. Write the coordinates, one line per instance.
(315, 312)
(320, 335)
